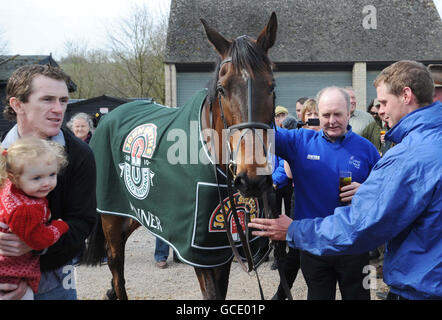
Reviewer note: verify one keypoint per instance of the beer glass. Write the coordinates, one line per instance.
(344, 180)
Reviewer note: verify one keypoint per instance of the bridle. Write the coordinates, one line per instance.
(252, 126)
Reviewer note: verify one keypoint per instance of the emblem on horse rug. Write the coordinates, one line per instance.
(139, 146)
(244, 206)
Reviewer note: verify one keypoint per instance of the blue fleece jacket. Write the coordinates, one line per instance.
(400, 203)
(315, 163)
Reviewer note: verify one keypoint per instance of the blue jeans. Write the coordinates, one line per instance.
(58, 284)
(161, 250)
(58, 293)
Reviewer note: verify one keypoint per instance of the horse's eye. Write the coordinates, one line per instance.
(220, 89)
(272, 86)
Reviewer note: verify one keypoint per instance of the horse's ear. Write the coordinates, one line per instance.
(267, 37)
(220, 43)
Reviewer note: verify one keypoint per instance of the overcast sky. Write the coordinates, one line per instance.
(44, 26)
(439, 6)
(40, 27)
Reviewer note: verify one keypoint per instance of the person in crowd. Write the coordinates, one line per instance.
(436, 73)
(280, 114)
(291, 262)
(359, 119)
(372, 132)
(316, 159)
(400, 202)
(309, 111)
(299, 104)
(385, 144)
(161, 253)
(82, 126)
(28, 172)
(36, 98)
(289, 122)
(282, 185)
(373, 109)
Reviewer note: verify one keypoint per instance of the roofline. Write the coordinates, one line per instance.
(307, 63)
(123, 100)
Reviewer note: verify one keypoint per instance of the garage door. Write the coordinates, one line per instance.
(290, 86)
(188, 83)
(371, 90)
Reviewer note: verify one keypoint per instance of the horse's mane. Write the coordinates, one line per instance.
(245, 54)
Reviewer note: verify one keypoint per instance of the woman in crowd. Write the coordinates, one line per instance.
(82, 126)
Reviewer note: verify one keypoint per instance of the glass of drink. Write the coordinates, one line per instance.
(382, 133)
(344, 180)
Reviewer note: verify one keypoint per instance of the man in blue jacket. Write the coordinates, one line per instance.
(401, 201)
(316, 159)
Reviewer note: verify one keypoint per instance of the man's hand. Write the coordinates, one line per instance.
(9, 291)
(348, 191)
(275, 229)
(12, 245)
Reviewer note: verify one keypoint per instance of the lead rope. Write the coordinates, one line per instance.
(246, 248)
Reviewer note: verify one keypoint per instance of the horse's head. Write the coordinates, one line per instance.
(243, 100)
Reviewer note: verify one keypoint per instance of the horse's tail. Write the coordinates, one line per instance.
(96, 245)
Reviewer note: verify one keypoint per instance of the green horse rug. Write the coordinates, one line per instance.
(152, 166)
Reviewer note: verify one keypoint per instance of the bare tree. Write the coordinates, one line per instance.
(132, 66)
(89, 69)
(3, 42)
(137, 46)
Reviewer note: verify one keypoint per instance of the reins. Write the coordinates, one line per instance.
(251, 266)
(244, 237)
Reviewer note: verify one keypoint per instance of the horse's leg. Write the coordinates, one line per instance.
(214, 281)
(117, 230)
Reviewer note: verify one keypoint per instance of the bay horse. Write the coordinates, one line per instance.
(240, 99)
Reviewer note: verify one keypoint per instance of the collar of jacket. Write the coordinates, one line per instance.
(421, 119)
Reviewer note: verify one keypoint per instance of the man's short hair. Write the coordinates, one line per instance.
(20, 84)
(341, 90)
(302, 100)
(407, 73)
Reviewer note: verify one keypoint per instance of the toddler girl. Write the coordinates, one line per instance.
(28, 172)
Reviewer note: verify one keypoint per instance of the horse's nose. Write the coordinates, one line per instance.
(252, 186)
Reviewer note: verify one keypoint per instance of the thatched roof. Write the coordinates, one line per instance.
(310, 30)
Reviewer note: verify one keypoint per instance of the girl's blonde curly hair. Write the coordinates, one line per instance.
(27, 151)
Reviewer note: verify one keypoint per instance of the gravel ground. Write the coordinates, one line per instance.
(144, 281)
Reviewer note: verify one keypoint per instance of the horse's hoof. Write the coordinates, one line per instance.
(110, 295)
